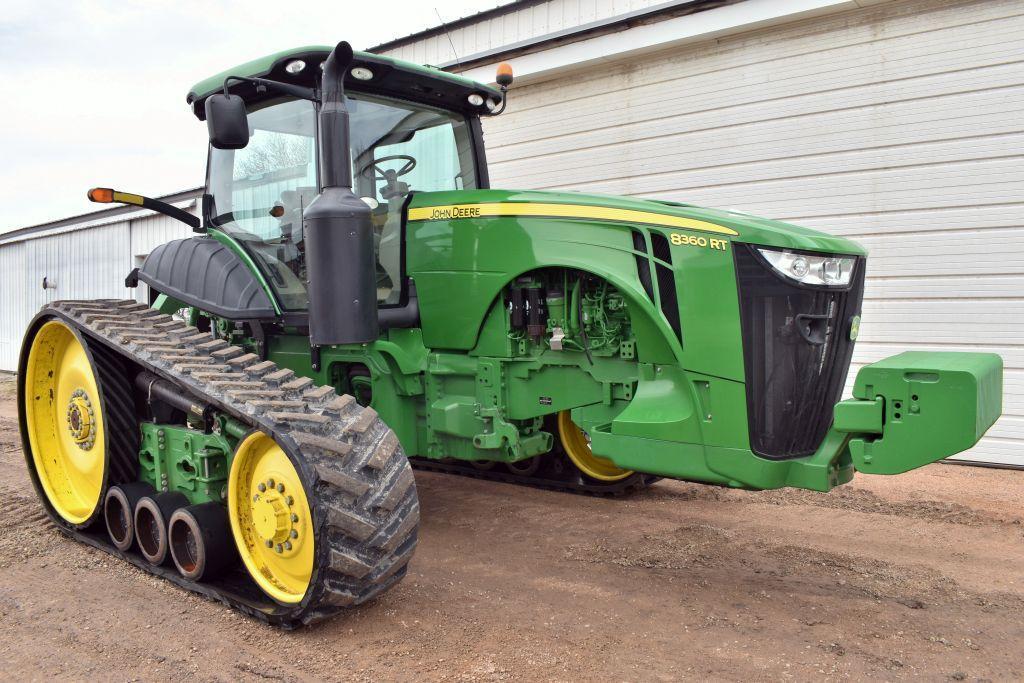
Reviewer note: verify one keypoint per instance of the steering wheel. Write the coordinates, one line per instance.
(383, 173)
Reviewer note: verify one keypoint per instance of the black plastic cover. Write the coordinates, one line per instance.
(797, 350)
(340, 266)
(202, 272)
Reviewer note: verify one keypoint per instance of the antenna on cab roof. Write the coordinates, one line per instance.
(449, 34)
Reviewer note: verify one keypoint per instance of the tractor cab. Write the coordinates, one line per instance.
(412, 128)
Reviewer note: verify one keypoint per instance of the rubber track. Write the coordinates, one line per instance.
(561, 475)
(359, 482)
(122, 431)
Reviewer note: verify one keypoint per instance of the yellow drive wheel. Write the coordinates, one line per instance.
(270, 518)
(64, 422)
(577, 447)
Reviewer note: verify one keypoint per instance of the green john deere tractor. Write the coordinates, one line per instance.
(359, 302)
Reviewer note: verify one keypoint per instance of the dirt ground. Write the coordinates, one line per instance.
(888, 578)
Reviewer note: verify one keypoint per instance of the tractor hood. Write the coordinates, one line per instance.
(735, 226)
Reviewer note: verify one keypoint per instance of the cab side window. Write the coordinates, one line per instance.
(435, 156)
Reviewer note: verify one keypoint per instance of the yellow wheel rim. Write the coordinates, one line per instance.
(270, 518)
(577, 447)
(64, 420)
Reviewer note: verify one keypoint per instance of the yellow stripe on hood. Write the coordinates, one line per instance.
(602, 213)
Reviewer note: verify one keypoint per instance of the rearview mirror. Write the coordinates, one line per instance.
(227, 122)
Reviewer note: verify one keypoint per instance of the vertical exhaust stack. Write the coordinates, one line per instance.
(338, 233)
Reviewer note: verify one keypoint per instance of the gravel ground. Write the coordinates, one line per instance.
(918, 576)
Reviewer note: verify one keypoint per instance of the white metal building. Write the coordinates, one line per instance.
(898, 123)
(83, 257)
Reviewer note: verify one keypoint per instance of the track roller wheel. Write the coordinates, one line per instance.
(271, 519)
(152, 517)
(119, 511)
(200, 541)
(524, 468)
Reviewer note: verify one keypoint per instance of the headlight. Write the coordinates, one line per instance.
(811, 269)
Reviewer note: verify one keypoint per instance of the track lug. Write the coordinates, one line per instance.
(243, 360)
(279, 375)
(260, 368)
(297, 384)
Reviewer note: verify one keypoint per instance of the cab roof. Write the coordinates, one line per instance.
(391, 77)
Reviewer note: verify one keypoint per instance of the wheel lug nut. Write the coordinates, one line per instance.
(289, 500)
(295, 517)
(269, 544)
(270, 482)
(295, 534)
(280, 488)
(279, 548)
(255, 497)
(261, 486)
(287, 545)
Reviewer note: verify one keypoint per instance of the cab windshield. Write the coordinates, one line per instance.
(259, 192)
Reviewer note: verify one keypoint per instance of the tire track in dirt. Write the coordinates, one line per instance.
(18, 505)
(719, 555)
(843, 498)
(862, 500)
(10, 437)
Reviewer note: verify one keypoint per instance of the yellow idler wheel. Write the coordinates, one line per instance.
(270, 519)
(577, 447)
(64, 423)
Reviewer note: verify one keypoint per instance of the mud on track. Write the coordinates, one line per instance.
(889, 578)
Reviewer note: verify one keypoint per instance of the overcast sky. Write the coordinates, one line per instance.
(96, 89)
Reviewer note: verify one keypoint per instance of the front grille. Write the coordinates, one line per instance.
(792, 384)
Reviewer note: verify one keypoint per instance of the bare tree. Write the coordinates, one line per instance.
(272, 152)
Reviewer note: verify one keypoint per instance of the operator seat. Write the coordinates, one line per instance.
(393, 187)
(294, 202)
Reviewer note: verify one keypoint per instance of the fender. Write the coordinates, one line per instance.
(203, 272)
(475, 259)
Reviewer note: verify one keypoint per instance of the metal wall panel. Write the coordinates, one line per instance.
(85, 264)
(513, 27)
(899, 125)
(13, 311)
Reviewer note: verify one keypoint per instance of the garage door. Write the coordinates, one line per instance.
(900, 126)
